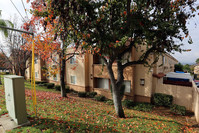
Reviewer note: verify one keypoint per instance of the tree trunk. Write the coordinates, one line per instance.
(62, 74)
(0, 80)
(117, 102)
(116, 94)
(22, 71)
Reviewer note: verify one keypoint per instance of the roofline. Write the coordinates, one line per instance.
(171, 57)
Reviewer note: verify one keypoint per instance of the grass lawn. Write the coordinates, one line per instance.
(74, 114)
(41, 88)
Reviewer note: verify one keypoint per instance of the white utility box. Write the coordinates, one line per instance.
(15, 98)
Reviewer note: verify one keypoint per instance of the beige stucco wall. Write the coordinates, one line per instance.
(168, 65)
(101, 71)
(142, 72)
(38, 68)
(182, 95)
(196, 70)
(195, 107)
(77, 69)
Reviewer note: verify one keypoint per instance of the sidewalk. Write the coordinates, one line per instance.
(6, 123)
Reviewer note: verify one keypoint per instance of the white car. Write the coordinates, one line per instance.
(197, 84)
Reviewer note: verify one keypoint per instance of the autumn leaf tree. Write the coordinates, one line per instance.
(56, 33)
(197, 61)
(103, 28)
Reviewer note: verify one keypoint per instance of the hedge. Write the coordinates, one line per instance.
(181, 110)
(100, 98)
(160, 99)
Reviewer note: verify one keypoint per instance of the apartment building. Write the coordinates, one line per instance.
(87, 73)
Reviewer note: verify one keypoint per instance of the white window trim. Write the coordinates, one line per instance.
(74, 79)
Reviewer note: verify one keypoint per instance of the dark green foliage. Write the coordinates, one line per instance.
(45, 84)
(68, 89)
(197, 60)
(146, 107)
(73, 91)
(81, 94)
(178, 67)
(40, 82)
(37, 82)
(128, 103)
(187, 68)
(91, 94)
(110, 102)
(100, 98)
(181, 110)
(50, 85)
(160, 99)
(58, 87)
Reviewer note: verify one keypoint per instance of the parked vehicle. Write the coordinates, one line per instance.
(197, 84)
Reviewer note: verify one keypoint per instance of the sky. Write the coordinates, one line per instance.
(190, 57)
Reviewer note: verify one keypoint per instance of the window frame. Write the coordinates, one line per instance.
(72, 76)
(73, 60)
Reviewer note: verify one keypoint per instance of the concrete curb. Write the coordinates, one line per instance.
(7, 123)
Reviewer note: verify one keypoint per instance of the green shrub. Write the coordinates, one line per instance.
(73, 91)
(110, 102)
(100, 98)
(41, 84)
(58, 87)
(82, 94)
(160, 99)
(181, 110)
(128, 103)
(91, 94)
(146, 107)
(68, 89)
(45, 84)
(38, 82)
(50, 85)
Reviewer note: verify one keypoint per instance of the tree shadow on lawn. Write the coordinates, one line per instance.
(53, 125)
(153, 119)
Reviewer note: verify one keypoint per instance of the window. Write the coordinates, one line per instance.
(55, 58)
(72, 79)
(73, 60)
(127, 84)
(36, 60)
(55, 77)
(36, 75)
(142, 82)
(103, 83)
(163, 60)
